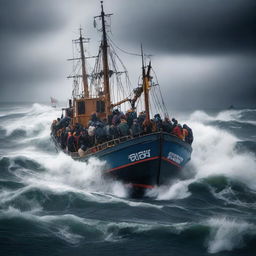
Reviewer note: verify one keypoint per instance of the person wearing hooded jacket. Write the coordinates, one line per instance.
(117, 116)
(135, 129)
(100, 133)
(71, 143)
(167, 125)
(123, 128)
(130, 116)
(189, 138)
(158, 122)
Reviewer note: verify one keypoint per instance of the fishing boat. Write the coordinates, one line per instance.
(141, 161)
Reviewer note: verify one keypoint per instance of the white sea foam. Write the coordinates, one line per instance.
(225, 116)
(62, 174)
(213, 154)
(10, 110)
(12, 212)
(230, 196)
(110, 229)
(177, 190)
(134, 203)
(200, 116)
(227, 234)
(9, 195)
(37, 118)
(68, 236)
(61, 223)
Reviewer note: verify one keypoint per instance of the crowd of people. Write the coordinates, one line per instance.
(76, 137)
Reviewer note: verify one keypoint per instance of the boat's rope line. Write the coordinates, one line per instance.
(113, 54)
(124, 51)
(161, 100)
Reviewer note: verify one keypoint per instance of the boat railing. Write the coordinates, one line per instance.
(105, 145)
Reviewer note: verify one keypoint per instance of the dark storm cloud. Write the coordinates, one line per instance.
(23, 17)
(23, 24)
(231, 86)
(29, 72)
(212, 82)
(197, 26)
(21, 78)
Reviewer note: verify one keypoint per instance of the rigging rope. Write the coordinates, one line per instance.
(161, 96)
(124, 51)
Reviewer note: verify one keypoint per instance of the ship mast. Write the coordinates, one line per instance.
(84, 74)
(145, 79)
(104, 45)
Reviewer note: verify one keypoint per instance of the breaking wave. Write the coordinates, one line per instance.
(227, 234)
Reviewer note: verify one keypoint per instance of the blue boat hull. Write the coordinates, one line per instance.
(143, 162)
(146, 161)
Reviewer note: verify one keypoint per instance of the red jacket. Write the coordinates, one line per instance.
(178, 132)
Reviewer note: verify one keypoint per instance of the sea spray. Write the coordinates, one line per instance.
(62, 173)
(35, 120)
(227, 234)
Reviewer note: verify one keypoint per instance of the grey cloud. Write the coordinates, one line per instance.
(28, 71)
(197, 26)
(230, 80)
(23, 17)
(24, 23)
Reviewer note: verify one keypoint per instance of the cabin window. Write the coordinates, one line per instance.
(81, 107)
(100, 108)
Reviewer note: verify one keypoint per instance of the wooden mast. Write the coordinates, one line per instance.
(84, 74)
(145, 78)
(104, 45)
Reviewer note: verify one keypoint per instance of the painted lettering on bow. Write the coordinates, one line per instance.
(139, 155)
(175, 158)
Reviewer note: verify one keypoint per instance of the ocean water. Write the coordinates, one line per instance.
(53, 205)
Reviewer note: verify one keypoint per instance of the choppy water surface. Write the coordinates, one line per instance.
(53, 205)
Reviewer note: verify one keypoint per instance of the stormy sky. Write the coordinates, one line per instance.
(203, 51)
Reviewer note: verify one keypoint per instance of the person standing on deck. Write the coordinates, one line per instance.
(71, 143)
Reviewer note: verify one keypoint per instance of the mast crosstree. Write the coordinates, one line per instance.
(81, 40)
